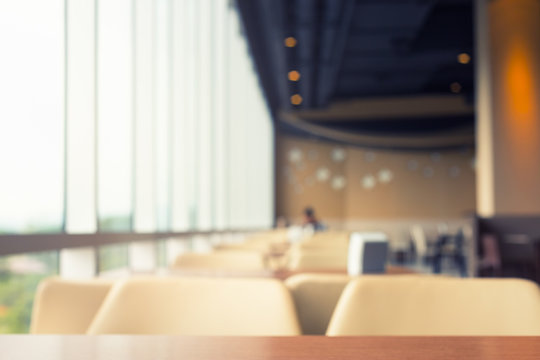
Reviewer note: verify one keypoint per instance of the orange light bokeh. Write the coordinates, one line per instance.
(519, 82)
(294, 75)
(296, 99)
(290, 42)
(464, 58)
(520, 112)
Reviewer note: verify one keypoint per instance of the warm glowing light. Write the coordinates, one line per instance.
(294, 75)
(464, 58)
(290, 42)
(455, 87)
(519, 82)
(296, 99)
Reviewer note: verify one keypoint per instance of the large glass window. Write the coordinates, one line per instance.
(165, 124)
(128, 115)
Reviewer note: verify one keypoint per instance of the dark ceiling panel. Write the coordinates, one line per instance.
(404, 84)
(366, 42)
(449, 26)
(376, 14)
(360, 48)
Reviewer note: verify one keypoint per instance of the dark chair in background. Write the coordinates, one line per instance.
(519, 256)
(450, 247)
(489, 264)
(509, 246)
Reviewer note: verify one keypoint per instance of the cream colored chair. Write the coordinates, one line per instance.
(330, 259)
(197, 306)
(67, 306)
(423, 305)
(255, 246)
(320, 246)
(331, 236)
(271, 248)
(217, 260)
(315, 297)
(324, 240)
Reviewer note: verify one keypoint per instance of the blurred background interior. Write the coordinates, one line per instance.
(185, 139)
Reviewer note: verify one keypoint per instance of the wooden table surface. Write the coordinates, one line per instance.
(120, 347)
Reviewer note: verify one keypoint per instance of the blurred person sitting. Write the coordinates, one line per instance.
(310, 220)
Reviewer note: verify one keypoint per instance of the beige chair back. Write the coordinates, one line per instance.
(197, 306)
(423, 305)
(331, 259)
(323, 240)
(315, 297)
(67, 306)
(226, 260)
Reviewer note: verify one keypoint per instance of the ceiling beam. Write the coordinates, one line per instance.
(334, 48)
(306, 29)
(453, 139)
(401, 107)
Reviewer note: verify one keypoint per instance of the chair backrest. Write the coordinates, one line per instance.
(320, 245)
(331, 236)
(327, 259)
(67, 306)
(227, 260)
(426, 305)
(315, 297)
(197, 306)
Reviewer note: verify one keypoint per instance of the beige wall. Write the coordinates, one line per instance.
(410, 193)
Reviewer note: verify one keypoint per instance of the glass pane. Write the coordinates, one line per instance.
(144, 209)
(220, 103)
(237, 131)
(80, 151)
(161, 249)
(179, 206)
(32, 113)
(162, 124)
(115, 115)
(113, 259)
(204, 105)
(19, 278)
(267, 173)
(260, 158)
(191, 119)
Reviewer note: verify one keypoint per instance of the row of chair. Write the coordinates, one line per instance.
(304, 304)
(271, 251)
(326, 250)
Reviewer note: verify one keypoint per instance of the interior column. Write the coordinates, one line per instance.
(507, 100)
